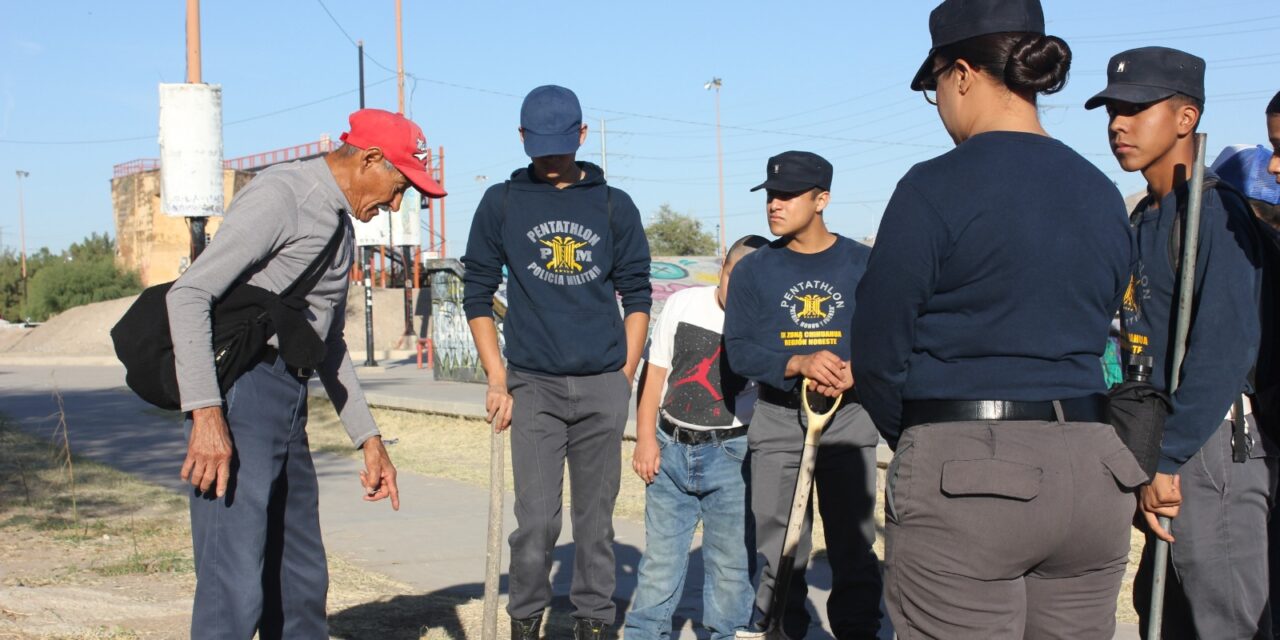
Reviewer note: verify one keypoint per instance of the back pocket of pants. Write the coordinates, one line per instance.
(1125, 469)
(991, 478)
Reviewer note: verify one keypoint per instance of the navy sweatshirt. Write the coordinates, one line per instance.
(570, 252)
(782, 303)
(1222, 344)
(996, 272)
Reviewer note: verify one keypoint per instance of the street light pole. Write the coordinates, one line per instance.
(22, 235)
(715, 84)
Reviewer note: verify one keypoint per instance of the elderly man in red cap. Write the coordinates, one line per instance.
(255, 525)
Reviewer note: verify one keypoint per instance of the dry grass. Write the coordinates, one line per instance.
(123, 568)
(458, 449)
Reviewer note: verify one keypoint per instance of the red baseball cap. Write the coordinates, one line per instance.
(401, 142)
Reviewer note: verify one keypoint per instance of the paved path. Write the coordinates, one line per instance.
(434, 543)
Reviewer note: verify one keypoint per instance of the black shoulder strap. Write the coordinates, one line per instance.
(309, 278)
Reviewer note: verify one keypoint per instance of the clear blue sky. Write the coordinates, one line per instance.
(78, 90)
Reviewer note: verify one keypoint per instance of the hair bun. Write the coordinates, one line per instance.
(1038, 64)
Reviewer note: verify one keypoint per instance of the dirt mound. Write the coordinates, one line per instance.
(86, 330)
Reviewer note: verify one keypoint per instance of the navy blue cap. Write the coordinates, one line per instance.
(958, 20)
(551, 119)
(1151, 74)
(796, 172)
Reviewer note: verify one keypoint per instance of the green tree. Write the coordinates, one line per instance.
(86, 272)
(672, 233)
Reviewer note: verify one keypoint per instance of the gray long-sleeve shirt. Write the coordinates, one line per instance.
(273, 230)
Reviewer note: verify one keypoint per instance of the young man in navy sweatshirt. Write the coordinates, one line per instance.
(789, 316)
(571, 245)
(1216, 474)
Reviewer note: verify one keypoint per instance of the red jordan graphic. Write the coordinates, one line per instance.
(699, 372)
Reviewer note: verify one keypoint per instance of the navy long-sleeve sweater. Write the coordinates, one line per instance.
(783, 303)
(570, 252)
(1222, 344)
(995, 275)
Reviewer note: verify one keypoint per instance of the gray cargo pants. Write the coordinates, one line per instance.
(1007, 530)
(260, 563)
(579, 419)
(845, 481)
(1218, 583)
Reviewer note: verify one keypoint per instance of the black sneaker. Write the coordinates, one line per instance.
(526, 629)
(588, 629)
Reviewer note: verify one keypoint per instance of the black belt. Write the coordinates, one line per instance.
(791, 399)
(1085, 409)
(699, 436)
(271, 354)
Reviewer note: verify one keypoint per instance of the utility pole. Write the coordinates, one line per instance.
(604, 151)
(197, 223)
(715, 84)
(406, 251)
(22, 235)
(365, 253)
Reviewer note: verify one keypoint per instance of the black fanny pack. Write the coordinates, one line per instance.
(242, 321)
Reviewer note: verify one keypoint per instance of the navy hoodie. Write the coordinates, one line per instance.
(1225, 329)
(995, 275)
(783, 303)
(570, 252)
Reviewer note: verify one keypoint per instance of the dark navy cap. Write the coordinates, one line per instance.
(797, 171)
(1151, 74)
(958, 20)
(551, 118)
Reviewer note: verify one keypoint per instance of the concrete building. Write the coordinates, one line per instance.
(158, 246)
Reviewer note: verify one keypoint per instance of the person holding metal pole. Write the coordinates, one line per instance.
(788, 317)
(572, 245)
(980, 323)
(1216, 475)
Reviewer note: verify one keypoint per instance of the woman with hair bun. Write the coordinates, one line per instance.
(977, 338)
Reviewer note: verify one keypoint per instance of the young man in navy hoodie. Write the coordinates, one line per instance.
(1216, 475)
(789, 316)
(571, 245)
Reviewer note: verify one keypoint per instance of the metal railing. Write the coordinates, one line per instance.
(251, 162)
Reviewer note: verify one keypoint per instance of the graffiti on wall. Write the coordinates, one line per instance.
(455, 353)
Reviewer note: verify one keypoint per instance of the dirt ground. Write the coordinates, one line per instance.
(89, 552)
(457, 448)
(86, 330)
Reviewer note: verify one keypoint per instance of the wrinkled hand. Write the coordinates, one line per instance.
(1162, 497)
(379, 475)
(209, 451)
(646, 459)
(497, 406)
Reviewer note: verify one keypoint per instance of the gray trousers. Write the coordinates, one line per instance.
(1218, 584)
(260, 563)
(578, 419)
(845, 481)
(1008, 530)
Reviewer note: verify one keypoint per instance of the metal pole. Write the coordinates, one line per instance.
(1186, 284)
(604, 151)
(369, 361)
(360, 53)
(193, 41)
(22, 238)
(409, 338)
(399, 57)
(493, 545)
(366, 254)
(195, 223)
(444, 239)
(716, 84)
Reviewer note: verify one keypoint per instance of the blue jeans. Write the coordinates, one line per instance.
(705, 482)
(260, 562)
